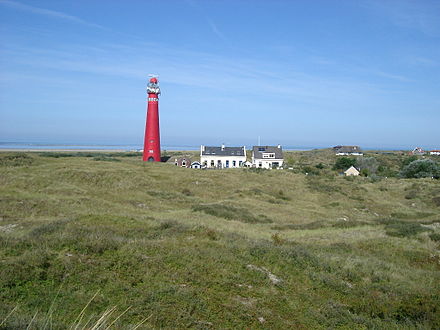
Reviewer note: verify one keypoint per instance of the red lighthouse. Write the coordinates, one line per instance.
(152, 136)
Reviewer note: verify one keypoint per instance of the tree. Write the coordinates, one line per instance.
(408, 160)
(343, 163)
(367, 165)
(422, 168)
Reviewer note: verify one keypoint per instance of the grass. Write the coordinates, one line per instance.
(178, 248)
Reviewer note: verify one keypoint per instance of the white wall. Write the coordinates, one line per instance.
(266, 163)
(222, 159)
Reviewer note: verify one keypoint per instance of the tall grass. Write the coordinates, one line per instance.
(171, 247)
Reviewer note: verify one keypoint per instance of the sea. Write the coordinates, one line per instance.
(35, 146)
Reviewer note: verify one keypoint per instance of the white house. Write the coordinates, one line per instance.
(435, 152)
(352, 171)
(267, 156)
(418, 151)
(222, 157)
(348, 151)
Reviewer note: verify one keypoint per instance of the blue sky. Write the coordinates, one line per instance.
(299, 73)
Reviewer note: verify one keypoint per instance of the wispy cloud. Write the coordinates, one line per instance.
(422, 16)
(424, 61)
(208, 19)
(48, 13)
(223, 76)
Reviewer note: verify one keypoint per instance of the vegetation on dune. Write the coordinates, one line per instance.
(421, 168)
(86, 242)
(343, 163)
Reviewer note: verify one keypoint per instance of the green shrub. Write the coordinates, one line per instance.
(435, 237)
(436, 200)
(231, 212)
(367, 165)
(405, 229)
(408, 160)
(104, 158)
(187, 192)
(19, 159)
(423, 168)
(343, 163)
(277, 239)
(411, 194)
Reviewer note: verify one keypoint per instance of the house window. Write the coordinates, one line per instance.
(183, 163)
(227, 164)
(260, 164)
(205, 163)
(212, 163)
(261, 149)
(234, 163)
(269, 155)
(240, 163)
(219, 163)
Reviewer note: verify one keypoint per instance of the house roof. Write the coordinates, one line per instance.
(347, 149)
(259, 150)
(223, 151)
(351, 168)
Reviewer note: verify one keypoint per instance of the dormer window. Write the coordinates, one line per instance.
(268, 155)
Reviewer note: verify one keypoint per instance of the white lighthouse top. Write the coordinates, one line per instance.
(153, 86)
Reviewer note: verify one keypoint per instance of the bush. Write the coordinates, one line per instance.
(103, 158)
(343, 163)
(16, 160)
(404, 229)
(423, 168)
(408, 160)
(435, 237)
(367, 165)
(231, 212)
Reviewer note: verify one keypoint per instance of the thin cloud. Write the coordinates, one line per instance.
(417, 15)
(48, 13)
(210, 22)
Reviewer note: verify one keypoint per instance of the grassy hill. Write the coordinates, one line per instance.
(109, 238)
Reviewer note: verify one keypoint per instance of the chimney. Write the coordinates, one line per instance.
(279, 146)
(223, 146)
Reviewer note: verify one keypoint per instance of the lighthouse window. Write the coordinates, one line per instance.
(151, 151)
(151, 141)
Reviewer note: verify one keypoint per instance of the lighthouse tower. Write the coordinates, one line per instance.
(152, 136)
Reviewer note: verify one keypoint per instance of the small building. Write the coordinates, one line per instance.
(196, 164)
(418, 151)
(348, 151)
(267, 157)
(182, 162)
(222, 157)
(352, 171)
(435, 152)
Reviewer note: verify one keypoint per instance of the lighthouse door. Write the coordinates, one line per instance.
(151, 159)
